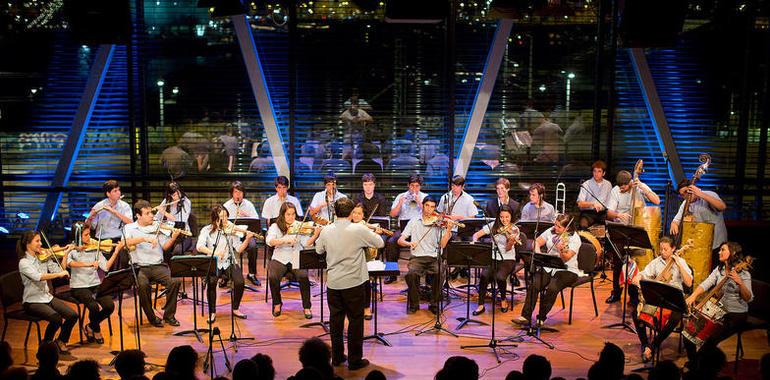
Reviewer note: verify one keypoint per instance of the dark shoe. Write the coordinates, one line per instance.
(338, 363)
(368, 317)
(412, 310)
(358, 365)
(308, 315)
(253, 279)
(504, 309)
(99, 339)
(171, 321)
(277, 313)
(479, 311)
(614, 297)
(238, 314)
(222, 283)
(433, 309)
(89, 334)
(390, 279)
(646, 357)
(157, 322)
(521, 321)
(62, 347)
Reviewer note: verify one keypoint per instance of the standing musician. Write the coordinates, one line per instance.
(505, 234)
(374, 203)
(537, 206)
(272, 206)
(406, 206)
(679, 275)
(239, 207)
(558, 241)
(146, 244)
(594, 195)
(705, 206)
(84, 262)
(176, 207)
(620, 208)
(457, 204)
(286, 236)
(111, 213)
(425, 245)
(736, 295)
(502, 187)
(36, 267)
(219, 236)
(344, 244)
(322, 205)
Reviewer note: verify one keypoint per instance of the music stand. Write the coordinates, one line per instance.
(528, 228)
(116, 282)
(629, 236)
(472, 225)
(310, 259)
(469, 255)
(194, 267)
(391, 269)
(254, 225)
(664, 296)
(383, 221)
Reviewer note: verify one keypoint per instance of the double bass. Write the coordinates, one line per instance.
(701, 233)
(647, 217)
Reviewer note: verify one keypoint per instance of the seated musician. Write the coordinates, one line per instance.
(736, 295)
(374, 203)
(537, 208)
(286, 236)
(503, 232)
(620, 209)
(216, 239)
(37, 300)
(425, 233)
(84, 263)
(146, 244)
(457, 204)
(272, 206)
(357, 216)
(176, 207)
(406, 206)
(239, 207)
(502, 187)
(322, 205)
(679, 275)
(558, 241)
(594, 195)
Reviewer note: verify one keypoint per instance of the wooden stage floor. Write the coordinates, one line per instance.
(410, 357)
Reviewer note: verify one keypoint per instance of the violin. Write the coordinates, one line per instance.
(511, 231)
(433, 219)
(105, 245)
(56, 251)
(374, 228)
(232, 229)
(302, 228)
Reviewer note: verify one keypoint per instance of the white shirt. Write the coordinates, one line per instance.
(246, 208)
(703, 212)
(181, 212)
(621, 202)
(285, 253)
(106, 222)
(573, 245)
(501, 241)
(462, 205)
(31, 269)
(429, 245)
(209, 238)
(145, 254)
(85, 277)
(409, 210)
(320, 198)
(272, 206)
(601, 192)
(529, 212)
(657, 265)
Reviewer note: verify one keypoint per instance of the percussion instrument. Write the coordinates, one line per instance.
(598, 230)
(590, 238)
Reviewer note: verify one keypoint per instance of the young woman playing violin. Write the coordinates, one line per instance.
(357, 216)
(736, 295)
(287, 238)
(217, 239)
(505, 234)
(84, 262)
(37, 299)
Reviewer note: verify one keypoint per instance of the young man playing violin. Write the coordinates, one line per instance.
(146, 243)
(425, 233)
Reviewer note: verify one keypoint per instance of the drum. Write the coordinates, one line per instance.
(590, 238)
(699, 256)
(704, 323)
(649, 218)
(598, 230)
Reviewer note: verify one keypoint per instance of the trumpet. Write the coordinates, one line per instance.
(411, 198)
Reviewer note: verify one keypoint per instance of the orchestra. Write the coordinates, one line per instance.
(339, 230)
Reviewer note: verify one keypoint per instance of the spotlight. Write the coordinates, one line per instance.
(22, 215)
(3, 230)
(571, 75)
(160, 83)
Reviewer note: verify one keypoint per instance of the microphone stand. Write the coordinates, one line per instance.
(214, 330)
(136, 286)
(603, 276)
(231, 251)
(493, 342)
(235, 221)
(438, 326)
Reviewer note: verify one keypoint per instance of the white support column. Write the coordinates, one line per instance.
(656, 113)
(483, 94)
(261, 92)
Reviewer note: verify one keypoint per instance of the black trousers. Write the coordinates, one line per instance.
(99, 309)
(418, 267)
(251, 255)
(238, 285)
(504, 269)
(551, 285)
(58, 314)
(161, 274)
(392, 250)
(276, 271)
(732, 323)
(348, 303)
